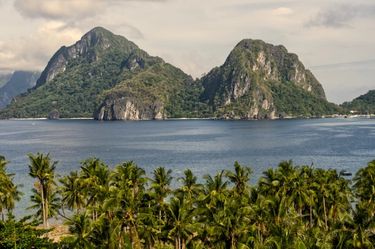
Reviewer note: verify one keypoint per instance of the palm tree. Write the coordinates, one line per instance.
(181, 225)
(160, 185)
(127, 185)
(364, 186)
(95, 177)
(190, 189)
(43, 169)
(9, 192)
(239, 177)
(81, 230)
(72, 192)
(53, 201)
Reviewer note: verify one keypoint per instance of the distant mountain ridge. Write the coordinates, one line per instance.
(4, 78)
(108, 77)
(364, 104)
(19, 82)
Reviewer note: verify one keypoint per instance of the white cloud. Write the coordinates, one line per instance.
(282, 11)
(58, 9)
(32, 52)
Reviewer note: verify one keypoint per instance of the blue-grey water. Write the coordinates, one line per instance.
(205, 146)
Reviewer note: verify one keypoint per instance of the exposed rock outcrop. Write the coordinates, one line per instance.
(128, 109)
(246, 85)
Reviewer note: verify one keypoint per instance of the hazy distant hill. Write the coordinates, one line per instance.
(364, 104)
(4, 78)
(108, 77)
(18, 82)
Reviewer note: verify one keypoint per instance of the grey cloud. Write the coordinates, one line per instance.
(339, 16)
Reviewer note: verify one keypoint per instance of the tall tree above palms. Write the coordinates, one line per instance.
(42, 168)
(240, 177)
(72, 192)
(160, 185)
(190, 189)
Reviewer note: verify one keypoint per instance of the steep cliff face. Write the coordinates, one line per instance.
(146, 95)
(245, 85)
(128, 109)
(18, 83)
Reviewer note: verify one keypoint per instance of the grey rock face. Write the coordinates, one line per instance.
(242, 82)
(128, 109)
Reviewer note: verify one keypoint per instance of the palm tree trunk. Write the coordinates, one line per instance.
(47, 209)
(325, 213)
(43, 206)
(311, 217)
(136, 243)
(232, 242)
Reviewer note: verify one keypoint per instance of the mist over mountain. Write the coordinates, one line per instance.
(18, 82)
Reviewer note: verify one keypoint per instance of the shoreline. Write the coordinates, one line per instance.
(336, 116)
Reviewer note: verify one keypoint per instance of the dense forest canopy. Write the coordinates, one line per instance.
(121, 207)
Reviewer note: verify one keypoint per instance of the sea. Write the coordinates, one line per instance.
(204, 146)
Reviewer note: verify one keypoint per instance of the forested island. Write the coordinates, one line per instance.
(107, 77)
(121, 207)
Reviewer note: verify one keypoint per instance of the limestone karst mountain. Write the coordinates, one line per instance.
(108, 77)
(260, 80)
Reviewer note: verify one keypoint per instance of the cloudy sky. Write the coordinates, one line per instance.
(335, 39)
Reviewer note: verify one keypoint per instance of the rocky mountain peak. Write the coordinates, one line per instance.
(249, 75)
(91, 46)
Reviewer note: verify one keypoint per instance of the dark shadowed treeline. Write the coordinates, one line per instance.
(290, 207)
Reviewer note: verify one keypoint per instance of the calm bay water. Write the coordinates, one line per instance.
(205, 146)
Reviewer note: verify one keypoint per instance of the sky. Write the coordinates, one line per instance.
(334, 39)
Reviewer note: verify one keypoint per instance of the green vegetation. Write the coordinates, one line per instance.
(364, 104)
(106, 76)
(161, 84)
(290, 207)
(109, 66)
(43, 170)
(291, 100)
(23, 235)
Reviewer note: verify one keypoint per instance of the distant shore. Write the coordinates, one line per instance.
(339, 116)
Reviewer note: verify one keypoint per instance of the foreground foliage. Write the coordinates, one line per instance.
(290, 207)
